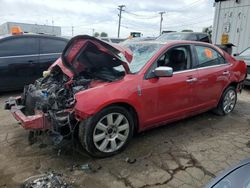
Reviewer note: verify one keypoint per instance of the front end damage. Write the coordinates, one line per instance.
(48, 104)
(32, 122)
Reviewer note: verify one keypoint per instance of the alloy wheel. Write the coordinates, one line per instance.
(111, 132)
(229, 101)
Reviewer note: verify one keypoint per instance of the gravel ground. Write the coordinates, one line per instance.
(187, 153)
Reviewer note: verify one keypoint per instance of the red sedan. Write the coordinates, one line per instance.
(108, 92)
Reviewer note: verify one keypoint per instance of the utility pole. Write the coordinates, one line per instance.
(120, 8)
(161, 13)
(72, 31)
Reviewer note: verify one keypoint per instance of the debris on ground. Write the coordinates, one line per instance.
(87, 168)
(130, 161)
(59, 152)
(48, 180)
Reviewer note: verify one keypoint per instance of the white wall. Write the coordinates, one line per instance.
(237, 17)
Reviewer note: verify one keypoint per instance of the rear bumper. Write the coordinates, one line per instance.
(38, 121)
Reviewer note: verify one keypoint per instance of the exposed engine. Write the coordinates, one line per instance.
(54, 94)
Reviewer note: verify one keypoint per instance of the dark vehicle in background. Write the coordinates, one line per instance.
(23, 58)
(236, 176)
(193, 36)
(112, 40)
(245, 55)
(135, 34)
(138, 39)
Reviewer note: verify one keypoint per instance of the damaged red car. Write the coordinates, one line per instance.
(106, 92)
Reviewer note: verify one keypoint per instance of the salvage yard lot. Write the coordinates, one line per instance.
(187, 153)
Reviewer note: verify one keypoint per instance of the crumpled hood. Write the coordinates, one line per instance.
(94, 53)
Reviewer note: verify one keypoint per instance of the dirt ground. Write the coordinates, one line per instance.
(187, 153)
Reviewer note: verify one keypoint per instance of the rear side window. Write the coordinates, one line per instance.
(19, 46)
(208, 57)
(51, 45)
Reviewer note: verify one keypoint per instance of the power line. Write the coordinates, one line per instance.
(136, 27)
(187, 22)
(137, 16)
(120, 8)
(190, 23)
(191, 5)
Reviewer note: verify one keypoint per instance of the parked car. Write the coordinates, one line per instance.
(94, 89)
(245, 55)
(138, 39)
(236, 176)
(23, 58)
(112, 40)
(193, 36)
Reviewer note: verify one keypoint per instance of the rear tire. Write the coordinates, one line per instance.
(107, 132)
(227, 102)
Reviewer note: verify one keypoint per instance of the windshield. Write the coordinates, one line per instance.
(245, 52)
(142, 52)
(172, 36)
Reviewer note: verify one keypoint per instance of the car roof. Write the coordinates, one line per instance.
(173, 42)
(178, 42)
(227, 172)
(186, 33)
(32, 35)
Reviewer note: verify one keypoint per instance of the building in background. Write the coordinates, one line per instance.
(30, 28)
(232, 23)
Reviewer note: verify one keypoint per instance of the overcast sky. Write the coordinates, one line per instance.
(102, 15)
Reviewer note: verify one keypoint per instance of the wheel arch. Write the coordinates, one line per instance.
(234, 84)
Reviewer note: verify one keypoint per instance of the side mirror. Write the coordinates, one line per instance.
(163, 71)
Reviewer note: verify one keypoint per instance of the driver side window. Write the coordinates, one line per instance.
(179, 58)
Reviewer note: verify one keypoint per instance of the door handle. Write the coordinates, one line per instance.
(226, 73)
(191, 80)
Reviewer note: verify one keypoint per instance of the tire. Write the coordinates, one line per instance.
(112, 137)
(231, 95)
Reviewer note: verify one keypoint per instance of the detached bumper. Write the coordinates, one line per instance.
(38, 121)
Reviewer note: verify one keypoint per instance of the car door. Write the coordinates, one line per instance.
(18, 54)
(50, 51)
(213, 76)
(169, 98)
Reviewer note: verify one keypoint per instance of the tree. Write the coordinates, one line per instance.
(96, 34)
(103, 34)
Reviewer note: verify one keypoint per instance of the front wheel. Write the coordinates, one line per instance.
(227, 102)
(108, 132)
